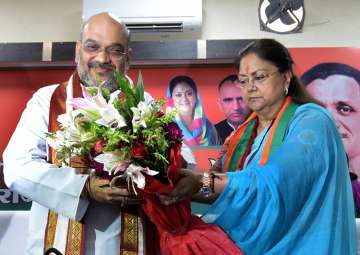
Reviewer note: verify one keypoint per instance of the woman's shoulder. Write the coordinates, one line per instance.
(313, 113)
(310, 109)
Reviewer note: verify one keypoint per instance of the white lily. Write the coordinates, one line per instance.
(111, 160)
(72, 132)
(97, 109)
(57, 141)
(141, 112)
(134, 174)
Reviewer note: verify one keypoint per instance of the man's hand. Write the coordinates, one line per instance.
(99, 189)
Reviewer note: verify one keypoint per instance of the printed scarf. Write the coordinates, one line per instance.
(240, 143)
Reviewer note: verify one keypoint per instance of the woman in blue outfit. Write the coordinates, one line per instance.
(286, 189)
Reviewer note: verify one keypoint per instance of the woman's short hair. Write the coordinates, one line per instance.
(182, 79)
(324, 70)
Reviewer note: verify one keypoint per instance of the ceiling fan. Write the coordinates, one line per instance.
(281, 16)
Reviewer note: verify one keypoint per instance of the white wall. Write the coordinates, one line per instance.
(327, 22)
(39, 20)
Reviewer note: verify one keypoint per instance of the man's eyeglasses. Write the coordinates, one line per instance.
(116, 52)
(257, 79)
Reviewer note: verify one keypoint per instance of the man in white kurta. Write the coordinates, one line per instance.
(26, 167)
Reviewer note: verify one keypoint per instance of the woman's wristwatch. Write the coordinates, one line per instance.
(207, 184)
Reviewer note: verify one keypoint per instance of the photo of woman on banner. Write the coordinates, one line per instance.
(183, 95)
(337, 86)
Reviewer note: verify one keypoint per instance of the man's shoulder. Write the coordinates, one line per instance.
(221, 124)
(46, 90)
(42, 96)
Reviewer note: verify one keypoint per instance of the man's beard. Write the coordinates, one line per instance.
(87, 80)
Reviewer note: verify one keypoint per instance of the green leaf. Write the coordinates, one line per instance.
(106, 93)
(140, 87)
(130, 98)
(92, 90)
(124, 85)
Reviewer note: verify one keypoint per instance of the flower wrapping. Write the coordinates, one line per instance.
(181, 232)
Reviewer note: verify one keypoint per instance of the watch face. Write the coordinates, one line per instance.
(281, 16)
(206, 191)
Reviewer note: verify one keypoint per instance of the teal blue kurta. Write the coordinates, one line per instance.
(300, 201)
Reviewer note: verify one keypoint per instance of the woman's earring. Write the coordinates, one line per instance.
(286, 90)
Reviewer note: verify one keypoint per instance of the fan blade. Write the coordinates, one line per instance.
(292, 4)
(296, 4)
(286, 18)
(272, 12)
(277, 2)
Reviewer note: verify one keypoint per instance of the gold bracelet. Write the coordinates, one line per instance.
(206, 188)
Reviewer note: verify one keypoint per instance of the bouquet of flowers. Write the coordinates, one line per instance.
(122, 136)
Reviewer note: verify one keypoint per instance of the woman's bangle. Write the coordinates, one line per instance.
(212, 183)
(207, 184)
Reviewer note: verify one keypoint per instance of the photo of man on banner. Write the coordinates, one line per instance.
(232, 104)
(336, 85)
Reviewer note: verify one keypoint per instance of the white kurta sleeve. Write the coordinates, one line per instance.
(27, 171)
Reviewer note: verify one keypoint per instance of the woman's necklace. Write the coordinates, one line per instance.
(268, 127)
(263, 125)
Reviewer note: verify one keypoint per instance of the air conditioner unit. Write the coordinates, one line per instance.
(164, 18)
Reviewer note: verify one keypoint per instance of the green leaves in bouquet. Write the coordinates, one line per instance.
(129, 100)
(94, 90)
(113, 137)
(155, 140)
(140, 88)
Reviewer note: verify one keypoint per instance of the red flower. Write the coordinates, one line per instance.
(99, 146)
(173, 131)
(138, 150)
(160, 114)
(121, 96)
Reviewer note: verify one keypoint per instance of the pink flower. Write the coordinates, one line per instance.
(99, 146)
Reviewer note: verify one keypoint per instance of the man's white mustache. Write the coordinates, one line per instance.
(102, 65)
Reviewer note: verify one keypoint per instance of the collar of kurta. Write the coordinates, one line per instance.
(59, 97)
(75, 240)
(58, 106)
(240, 143)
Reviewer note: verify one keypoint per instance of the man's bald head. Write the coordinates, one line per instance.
(102, 48)
(105, 18)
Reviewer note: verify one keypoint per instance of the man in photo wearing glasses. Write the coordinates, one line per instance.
(72, 212)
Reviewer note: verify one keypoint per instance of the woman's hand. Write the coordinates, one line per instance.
(188, 184)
